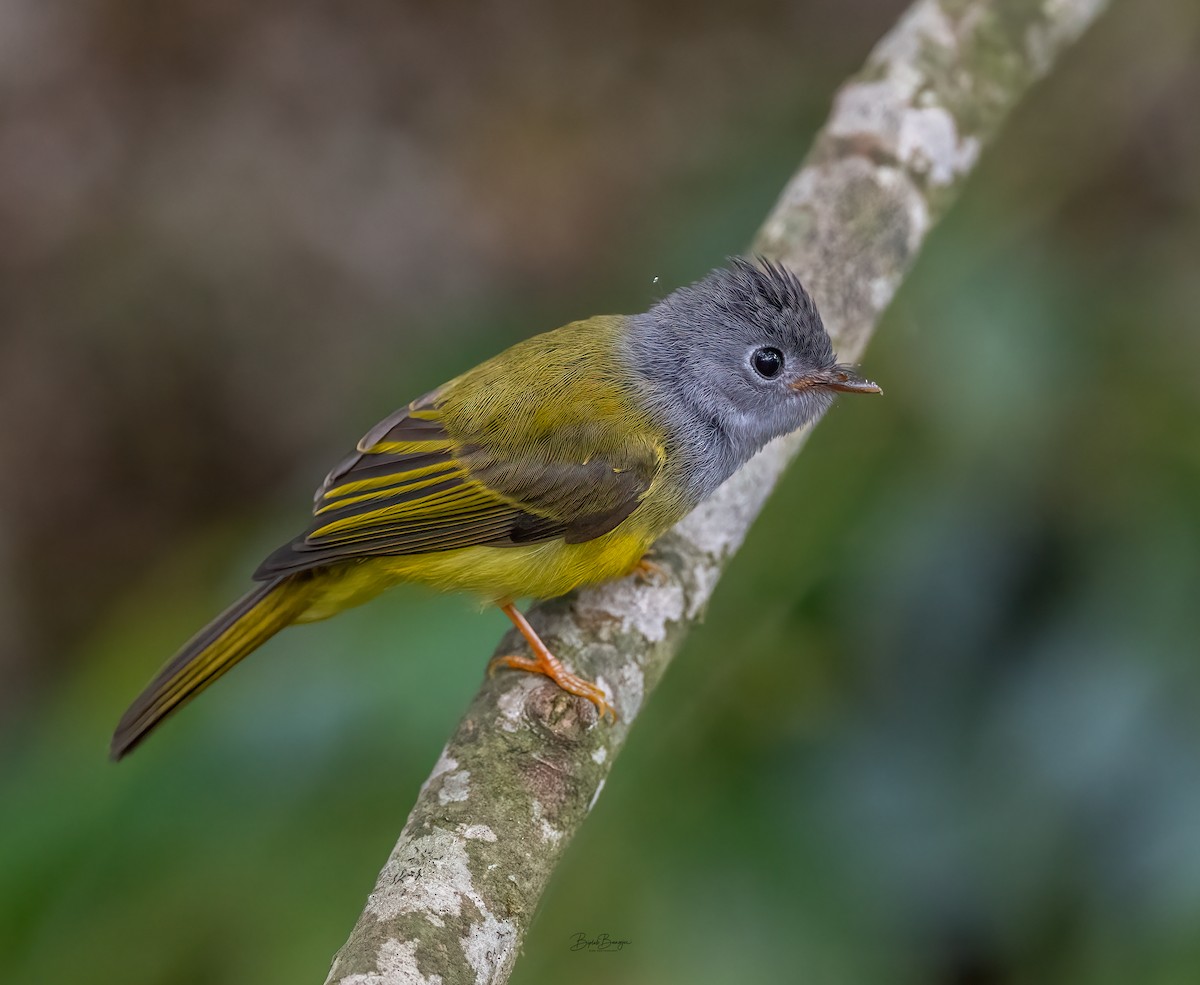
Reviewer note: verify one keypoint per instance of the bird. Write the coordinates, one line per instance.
(555, 464)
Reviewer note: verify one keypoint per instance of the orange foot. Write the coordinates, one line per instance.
(650, 572)
(545, 662)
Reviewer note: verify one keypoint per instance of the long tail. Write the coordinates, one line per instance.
(237, 631)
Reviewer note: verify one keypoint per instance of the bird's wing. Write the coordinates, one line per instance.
(412, 488)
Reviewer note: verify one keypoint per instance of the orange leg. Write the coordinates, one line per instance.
(650, 572)
(545, 662)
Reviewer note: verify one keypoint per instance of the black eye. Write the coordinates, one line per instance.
(767, 362)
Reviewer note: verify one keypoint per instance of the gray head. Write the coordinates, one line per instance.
(735, 360)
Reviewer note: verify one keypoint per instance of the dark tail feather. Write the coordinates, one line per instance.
(237, 631)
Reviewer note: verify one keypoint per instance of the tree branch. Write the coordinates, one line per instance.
(527, 762)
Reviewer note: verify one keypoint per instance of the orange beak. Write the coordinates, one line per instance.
(841, 378)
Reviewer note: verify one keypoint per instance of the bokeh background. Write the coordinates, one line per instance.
(941, 724)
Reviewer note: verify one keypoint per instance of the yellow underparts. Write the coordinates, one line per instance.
(495, 573)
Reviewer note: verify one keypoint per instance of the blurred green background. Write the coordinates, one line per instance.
(940, 725)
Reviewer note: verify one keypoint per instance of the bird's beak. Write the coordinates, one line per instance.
(841, 378)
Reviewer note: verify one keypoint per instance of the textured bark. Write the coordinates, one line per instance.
(528, 761)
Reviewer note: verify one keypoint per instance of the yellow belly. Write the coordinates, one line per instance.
(495, 573)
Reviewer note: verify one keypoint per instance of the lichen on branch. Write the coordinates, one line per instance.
(528, 761)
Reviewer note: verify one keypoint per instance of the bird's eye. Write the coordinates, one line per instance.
(767, 362)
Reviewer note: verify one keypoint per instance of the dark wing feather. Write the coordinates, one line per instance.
(410, 488)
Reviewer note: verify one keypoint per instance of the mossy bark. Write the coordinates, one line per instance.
(527, 761)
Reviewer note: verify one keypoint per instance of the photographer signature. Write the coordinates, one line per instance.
(581, 942)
